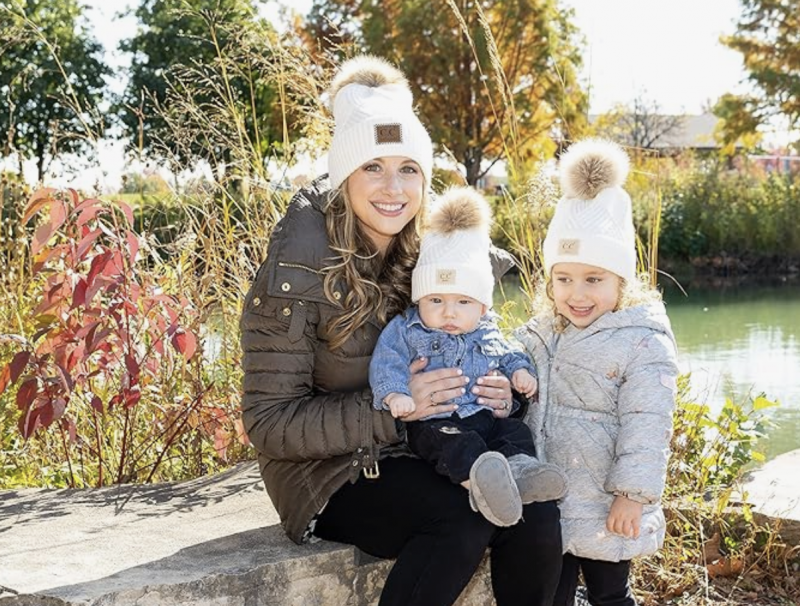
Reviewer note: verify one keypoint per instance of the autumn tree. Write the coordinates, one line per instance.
(768, 37)
(205, 84)
(51, 81)
(493, 80)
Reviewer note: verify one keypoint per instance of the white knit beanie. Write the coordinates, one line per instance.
(593, 221)
(374, 117)
(454, 253)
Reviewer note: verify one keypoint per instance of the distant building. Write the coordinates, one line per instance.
(667, 134)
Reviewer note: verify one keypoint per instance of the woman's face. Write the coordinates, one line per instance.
(385, 194)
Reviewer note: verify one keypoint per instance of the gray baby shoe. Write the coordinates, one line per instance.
(493, 491)
(537, 481)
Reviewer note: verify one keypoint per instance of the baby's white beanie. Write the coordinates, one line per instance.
(454, 252)
(593, 221)
(373, 117)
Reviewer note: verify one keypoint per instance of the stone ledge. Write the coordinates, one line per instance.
(211, 541)
(216, 541)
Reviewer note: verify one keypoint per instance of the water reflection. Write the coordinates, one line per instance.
(738, 339)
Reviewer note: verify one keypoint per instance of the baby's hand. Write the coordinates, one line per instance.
(400, 405)
(524, 382)
(625, 517)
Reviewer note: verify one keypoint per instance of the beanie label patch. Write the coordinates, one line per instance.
(569, 246)
(388, 133)
(446, 276)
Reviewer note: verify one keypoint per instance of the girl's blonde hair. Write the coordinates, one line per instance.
(377, 285)
(631, 293)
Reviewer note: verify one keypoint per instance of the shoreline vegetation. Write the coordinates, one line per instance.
(108, 372)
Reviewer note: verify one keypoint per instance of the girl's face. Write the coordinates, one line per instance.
(385, 194)
(582, 293)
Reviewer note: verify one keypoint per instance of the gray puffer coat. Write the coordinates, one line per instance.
(604, 415)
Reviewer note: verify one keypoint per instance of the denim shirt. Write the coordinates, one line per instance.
(406, 339)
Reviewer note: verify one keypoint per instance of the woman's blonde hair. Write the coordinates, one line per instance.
(376, 285)
(631, 293)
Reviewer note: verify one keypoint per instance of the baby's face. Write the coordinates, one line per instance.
(451, 313)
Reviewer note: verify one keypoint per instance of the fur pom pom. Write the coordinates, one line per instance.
(590, 166)
(460, 208)
(366, 70)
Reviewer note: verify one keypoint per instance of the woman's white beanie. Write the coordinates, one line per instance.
(593, 221)
(374, 116)
(454, 252)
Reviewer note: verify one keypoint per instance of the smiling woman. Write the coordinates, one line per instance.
(385, 194)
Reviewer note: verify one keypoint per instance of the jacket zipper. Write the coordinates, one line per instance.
(299, 266)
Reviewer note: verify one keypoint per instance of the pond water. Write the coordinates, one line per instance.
(737, 339)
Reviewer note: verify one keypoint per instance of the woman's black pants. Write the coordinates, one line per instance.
(417, 516)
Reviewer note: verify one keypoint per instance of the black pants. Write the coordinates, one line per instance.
(451, 445)
(606, 582)
(415, 515)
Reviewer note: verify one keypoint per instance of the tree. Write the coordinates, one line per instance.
(51, 81)
(492, 80)
(640, 125)
(768, 37)
(202, 83)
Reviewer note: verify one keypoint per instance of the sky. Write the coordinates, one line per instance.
(664, 52)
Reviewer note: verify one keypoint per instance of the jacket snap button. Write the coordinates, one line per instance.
(287, 311)
(286, 287)
(256, 302)
(337, 295)
(355, 463)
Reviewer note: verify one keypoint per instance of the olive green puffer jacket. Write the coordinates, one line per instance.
(307, 410)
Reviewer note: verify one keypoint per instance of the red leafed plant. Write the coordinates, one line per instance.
(108, 364)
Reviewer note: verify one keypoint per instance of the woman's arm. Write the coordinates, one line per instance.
(284, 416)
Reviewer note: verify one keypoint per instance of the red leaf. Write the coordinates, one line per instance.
(5, 378)
(38, 200)
(29, 422)
(133, 247)
(47, 413)
(79, 294)
(86, 243)
(13, 370)
(185, 342)
(58, 214)
(241, 433)
(18, 364)
(132, 365)
(41, 237)
(132, 397)
(88, 213)
(98, 263)
(27, 393)
(97, 404)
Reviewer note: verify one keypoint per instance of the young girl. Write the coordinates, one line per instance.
(606, 359)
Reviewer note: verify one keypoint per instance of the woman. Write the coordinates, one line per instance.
(338, 268)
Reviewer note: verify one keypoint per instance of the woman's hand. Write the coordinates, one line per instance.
(433, 391)
(494, 390)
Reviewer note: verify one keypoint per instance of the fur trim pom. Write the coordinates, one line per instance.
(590, 166)
(366, 70)
(460, 208)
